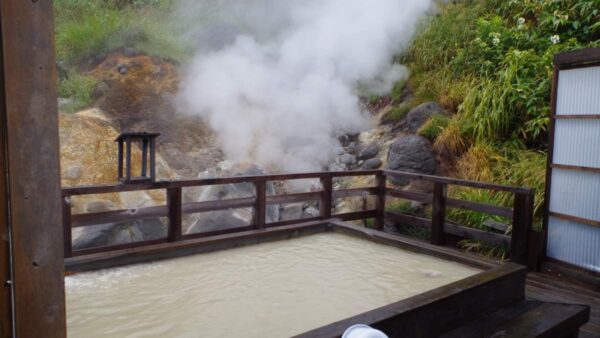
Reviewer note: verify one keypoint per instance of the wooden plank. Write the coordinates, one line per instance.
(438, 215)
(451, 305)
(144, 157)
(325, 205)
(234, 203)
(575, 168)
(480, 207)
(577, 58)
(550, 158)
(226, 230)
(293, 198)
(260, 209)
(153, 159)
(67, 228)
(355, 192)
(293, 221)
(5, 252)
(476, 234)
(140, 244)
(175, 214)
(456, 181)
(128, 160)
(120, 159)
(410, 195)
(522, 224)
(30, 115)
(404, 219)
(381, 181)
(125, 215)
(354, 173)
(575, 219)
(352, 216)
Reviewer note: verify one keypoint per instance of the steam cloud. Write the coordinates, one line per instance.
(277, 80)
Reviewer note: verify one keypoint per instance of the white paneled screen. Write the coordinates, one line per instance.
(574, 196)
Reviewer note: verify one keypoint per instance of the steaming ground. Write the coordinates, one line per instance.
(280, 83)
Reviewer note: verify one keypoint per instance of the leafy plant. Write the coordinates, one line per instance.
(78, 89)
(434, 126)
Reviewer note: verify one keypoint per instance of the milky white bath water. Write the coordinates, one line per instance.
(275, 289)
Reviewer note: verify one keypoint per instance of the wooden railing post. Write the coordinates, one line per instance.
(521, 225)
(326, 196)
(438, 217)
(175, 214)
(380, 181)
(67, 229)
(260, 209)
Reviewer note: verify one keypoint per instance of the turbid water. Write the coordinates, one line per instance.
(275, 289)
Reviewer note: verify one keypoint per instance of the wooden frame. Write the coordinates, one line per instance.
(576, 59)
(30, 156)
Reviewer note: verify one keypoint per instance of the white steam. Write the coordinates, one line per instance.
(277, 80)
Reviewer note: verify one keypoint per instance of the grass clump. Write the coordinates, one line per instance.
(434, 127)
(78, 88)
(397, 113)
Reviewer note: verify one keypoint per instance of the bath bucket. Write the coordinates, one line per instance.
(363, 331)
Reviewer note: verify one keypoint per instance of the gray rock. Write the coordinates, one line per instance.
(335, 167)
(417, 116)
(411, 153)
(122, 69)
(99, 206)
(73, 172)
(290, 212)
(310, 212)
(100, 90)
(368, 152)
(347, 159)
(118, 233)
(371, 164)
(220, 220)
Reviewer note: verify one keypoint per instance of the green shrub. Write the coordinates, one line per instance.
(397, 113)
(434, 127)
(78, 88)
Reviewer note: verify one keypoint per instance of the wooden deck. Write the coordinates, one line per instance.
(551, 288)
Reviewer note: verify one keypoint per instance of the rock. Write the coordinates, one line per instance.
(290, 212)
(411, 153)
(100, 90)
(73, 172)
(310, 212)
(371, 164)
(130, 52)
(417, 116)
(335, 167)
(122, 69)
(347, 159)
(99, 206)
(118, 233)
(368, 152)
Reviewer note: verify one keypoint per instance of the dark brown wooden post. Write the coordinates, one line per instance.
(120, 167)
(67, 229)
(175, 213)
(522, 224)
(29, 149)
(380, 181)
(260, 208)
(438, 217)
(127, 160)
(144, 156)
(326, 196)
(153, 159)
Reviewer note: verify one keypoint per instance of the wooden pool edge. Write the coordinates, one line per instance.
(168, 250)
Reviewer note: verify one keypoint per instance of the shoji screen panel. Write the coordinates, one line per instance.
(573, 187)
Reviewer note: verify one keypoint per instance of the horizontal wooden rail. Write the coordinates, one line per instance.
(357, 192)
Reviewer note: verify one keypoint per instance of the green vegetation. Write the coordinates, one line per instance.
(88, 28)
(489, 62)
(434, 127)
(398, 112)
(78, 88)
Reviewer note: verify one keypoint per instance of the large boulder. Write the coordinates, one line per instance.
(227, 219)
(417, 116)
(118, 233)
(412, 153)
(368, 152)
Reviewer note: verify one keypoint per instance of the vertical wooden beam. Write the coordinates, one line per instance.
(260, 208)
(6, 293)
(153, 159)
(522, 224)
(30, 114)
(67, 229)
(326, 196)
(127, 160)
(144, 156)
(550, 159)
(120, 159)
(380, 181)
(174, 204)
(438, 217)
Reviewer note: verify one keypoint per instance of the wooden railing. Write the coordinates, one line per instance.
(174, 209)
